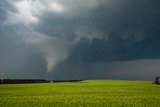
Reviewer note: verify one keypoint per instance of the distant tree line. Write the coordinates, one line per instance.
(21, 81)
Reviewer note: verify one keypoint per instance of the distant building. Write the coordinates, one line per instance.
(157, 80)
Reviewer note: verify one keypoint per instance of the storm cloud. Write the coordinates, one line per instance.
(79, 39)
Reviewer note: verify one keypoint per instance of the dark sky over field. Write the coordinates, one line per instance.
(80, 39)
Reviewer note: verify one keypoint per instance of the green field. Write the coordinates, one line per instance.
(90, 93)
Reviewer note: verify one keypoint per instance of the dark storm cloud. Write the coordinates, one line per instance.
(80, 39)
(132, 30)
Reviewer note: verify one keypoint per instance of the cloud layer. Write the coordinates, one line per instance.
(79, 38)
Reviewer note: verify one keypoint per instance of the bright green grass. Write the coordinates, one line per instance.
(90, 93)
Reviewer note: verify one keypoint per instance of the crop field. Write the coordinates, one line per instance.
(89, 93)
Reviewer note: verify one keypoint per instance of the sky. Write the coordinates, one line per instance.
(80, 39)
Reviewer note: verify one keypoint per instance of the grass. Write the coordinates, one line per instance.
(90, 93)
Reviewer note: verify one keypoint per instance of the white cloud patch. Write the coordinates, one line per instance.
(27, 13)
(56, 7)
(90, 33)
